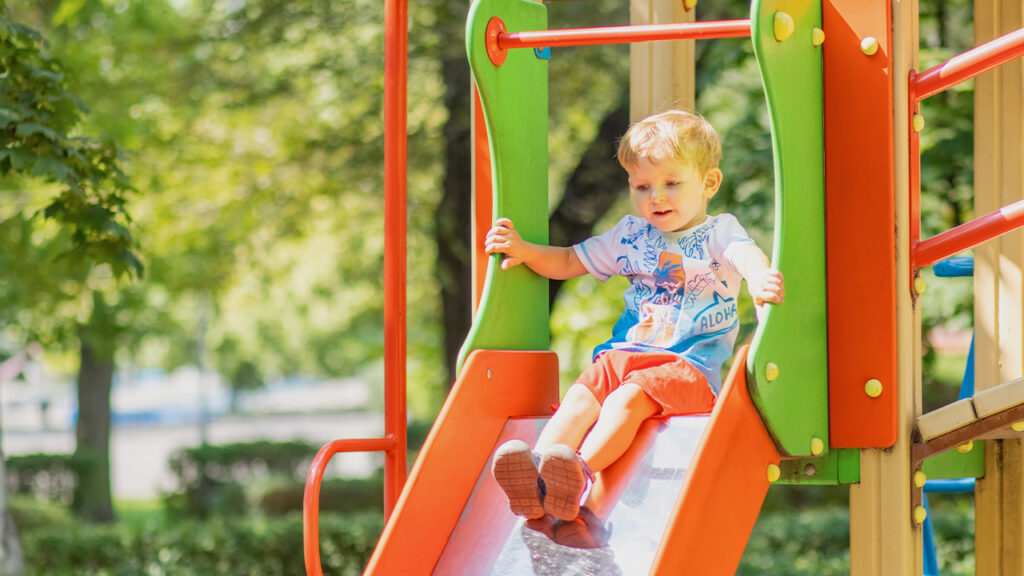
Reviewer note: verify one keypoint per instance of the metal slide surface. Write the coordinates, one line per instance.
(631, 505)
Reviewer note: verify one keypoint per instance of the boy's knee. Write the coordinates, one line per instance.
(579, 399)
(632, 398)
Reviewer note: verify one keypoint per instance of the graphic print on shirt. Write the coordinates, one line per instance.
(692, 244)
(659, 315)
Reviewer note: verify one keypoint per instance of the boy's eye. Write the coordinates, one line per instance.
(672, 183)
(641, 188)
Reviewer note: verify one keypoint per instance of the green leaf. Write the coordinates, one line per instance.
(30, 128)
(51, 167)
(68, 9)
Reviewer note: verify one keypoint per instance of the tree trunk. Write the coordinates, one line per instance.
(596, 183)
(12, 561)
(453, 217)
(92, 499)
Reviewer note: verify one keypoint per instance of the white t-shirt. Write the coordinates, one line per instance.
(682, 292)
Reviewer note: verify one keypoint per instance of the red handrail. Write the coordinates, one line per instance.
(967, 65)
(311, 496)
(394, 443)
(969, 234)
(395, 142)
(625, 34)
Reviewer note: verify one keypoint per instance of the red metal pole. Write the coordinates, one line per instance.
(969, 64)
(625, 34)
(970, 234)
(395, 141)
(311, 497)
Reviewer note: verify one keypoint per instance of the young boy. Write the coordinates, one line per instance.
(679, 324)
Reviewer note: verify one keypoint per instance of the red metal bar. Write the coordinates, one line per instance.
(625, 34)
(395, 141)
(968, 65)
(311, 496)
(970, 234)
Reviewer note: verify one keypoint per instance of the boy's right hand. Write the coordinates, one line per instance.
(502, 238)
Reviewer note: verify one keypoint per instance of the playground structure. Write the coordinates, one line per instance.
(829, 391)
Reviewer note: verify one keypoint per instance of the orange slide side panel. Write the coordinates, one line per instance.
(724, 487)
(495, 385)
(860, 223)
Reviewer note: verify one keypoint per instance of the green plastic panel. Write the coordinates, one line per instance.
(840, 466)
(793, 336)
(952, 464)
(513, 311)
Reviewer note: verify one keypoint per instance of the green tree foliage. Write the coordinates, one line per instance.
(39, 117)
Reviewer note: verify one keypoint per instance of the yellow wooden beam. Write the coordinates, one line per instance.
(661, 73)
(884, 538)
(999, 296)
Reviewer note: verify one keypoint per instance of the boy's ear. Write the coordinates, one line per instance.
(712, 181)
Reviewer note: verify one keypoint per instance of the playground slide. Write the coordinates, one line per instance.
(682, 500)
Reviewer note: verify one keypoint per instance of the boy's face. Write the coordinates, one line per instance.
(672, 195)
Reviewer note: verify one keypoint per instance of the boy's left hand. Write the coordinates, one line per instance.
(768, 288)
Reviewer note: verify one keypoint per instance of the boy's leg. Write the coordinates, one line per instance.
(620, 418)
(565, 473)
(575, 415)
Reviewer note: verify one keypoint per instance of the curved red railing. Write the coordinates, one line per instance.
(311, 497)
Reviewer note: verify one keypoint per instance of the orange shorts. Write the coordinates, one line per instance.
(667, 378)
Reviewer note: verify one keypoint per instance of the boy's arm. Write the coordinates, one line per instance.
(764, 283)
(555, 262)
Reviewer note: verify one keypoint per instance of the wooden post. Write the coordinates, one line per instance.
(661, 73)
(884, 540)
(998, 291)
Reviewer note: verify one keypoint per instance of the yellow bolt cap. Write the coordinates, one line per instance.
(782, 26)
(869, 45)
(920, 514)
(966, 447)
(817, 446)
(920, 285)
(1018, 426)
(817, 36)
(873, 388)
(920, 478)
(774, 472)
(689, 4)
(918, 122)
(771, 371)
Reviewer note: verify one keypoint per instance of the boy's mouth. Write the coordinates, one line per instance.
(662, 212)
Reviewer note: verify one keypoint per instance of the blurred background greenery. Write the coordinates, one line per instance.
(198, 182)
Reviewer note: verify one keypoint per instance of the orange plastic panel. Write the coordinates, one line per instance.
(495, 385)
(860, 223)
(483, 204)
(724, 488)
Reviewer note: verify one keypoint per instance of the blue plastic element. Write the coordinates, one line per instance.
(543, 53)
(931, 561)
(949, 268)
(967, 384)
(959, 486)
(954, 267)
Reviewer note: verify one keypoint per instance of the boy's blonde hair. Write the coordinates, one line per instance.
(674, 135)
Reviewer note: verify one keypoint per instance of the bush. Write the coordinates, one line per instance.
(340, 495)
(264, 547)
(30, 513)
(49, 477)
(212, 478)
